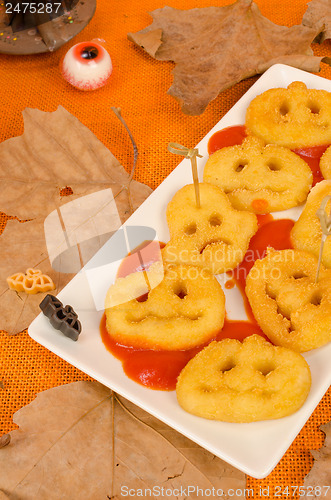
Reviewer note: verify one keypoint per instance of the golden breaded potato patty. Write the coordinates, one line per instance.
(259, 178)
(244, 382)
(325, 164)
(307, 232)
(291, 309)
(186, 309)
(214, 236)
(292, 117)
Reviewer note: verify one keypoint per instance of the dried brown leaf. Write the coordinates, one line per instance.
(220, 475)
(215, 47)
(23, 246)
(4, 440)
(319, 478)
(63, 450)
(318, 13)
(55, 151)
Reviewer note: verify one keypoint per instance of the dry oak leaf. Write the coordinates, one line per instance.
(56, 150)
(318, 13)
(319, 478)
(63, 449)
(215, 47)
(221, 475)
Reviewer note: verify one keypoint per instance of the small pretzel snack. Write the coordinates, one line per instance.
(292, 309)
(307, 231)
(33, 281)
(214, 236)
(244, 382)
(259, 178)
(292, 117)
(186, 309)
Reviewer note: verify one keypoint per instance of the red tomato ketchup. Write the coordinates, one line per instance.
(271, 233)
(229, 136)
(154, 369)
(159, 369)
(312, 156)
(141, 258)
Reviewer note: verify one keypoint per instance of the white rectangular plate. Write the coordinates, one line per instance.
(254, 448)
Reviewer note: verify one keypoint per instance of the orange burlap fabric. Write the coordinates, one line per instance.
(138, 86)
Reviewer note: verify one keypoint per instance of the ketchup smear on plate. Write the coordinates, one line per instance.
(160, 369)
(230, 136)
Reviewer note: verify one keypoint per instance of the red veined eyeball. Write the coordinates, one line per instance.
(87, 66)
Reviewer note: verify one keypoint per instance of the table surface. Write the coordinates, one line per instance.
(139, 87)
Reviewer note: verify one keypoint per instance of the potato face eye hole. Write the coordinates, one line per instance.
(180, 290)
(266, 368)
(240, 165)
(215, 220)
(316, 299)
(299, 275)
(313, 107)
(227, 365)
(271, 294)
(274, 165)
(206, 389)
(284, 108)
(190, 229)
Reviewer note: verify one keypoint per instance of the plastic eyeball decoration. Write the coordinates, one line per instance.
(87, 66)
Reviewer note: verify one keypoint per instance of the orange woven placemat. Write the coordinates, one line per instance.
(138, 86)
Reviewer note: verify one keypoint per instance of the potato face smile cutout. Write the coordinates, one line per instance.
(259, 178)
(244, 382)
(292, 117)
(292, 310)
(214, 236)
(307, 232)
(185, 310)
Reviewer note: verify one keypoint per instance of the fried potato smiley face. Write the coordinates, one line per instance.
(292, 117)
(307, 232)
(291, 309)
(244, 382)
(214, 236)
(185, 310)
(325, 164)
(259, 178)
